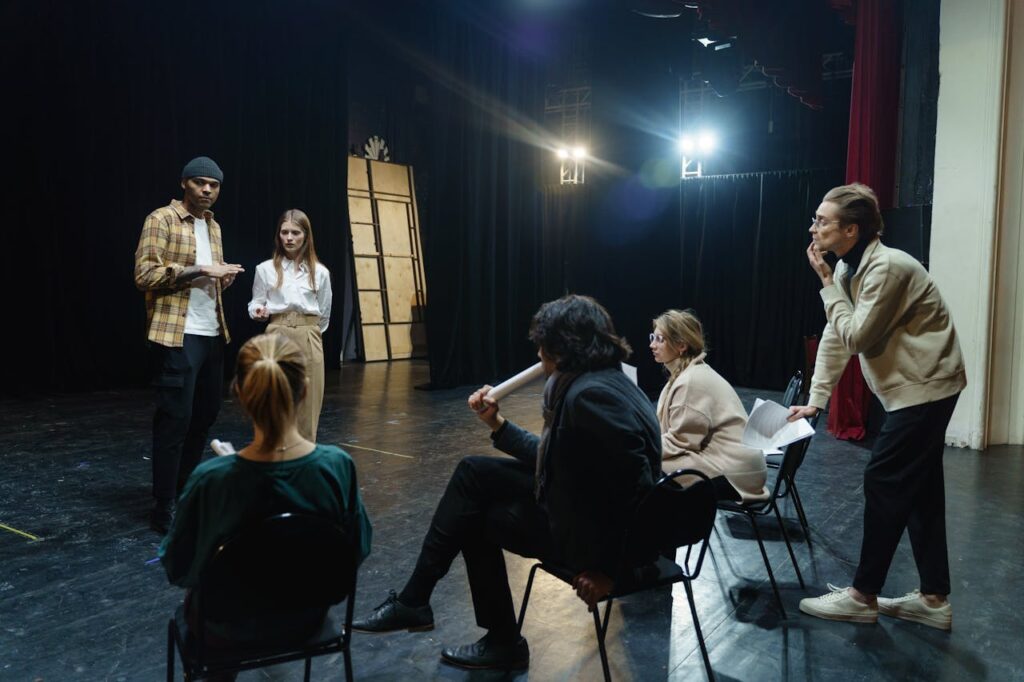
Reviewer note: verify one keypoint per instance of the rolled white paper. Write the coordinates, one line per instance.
(517, 382)
(222, 447)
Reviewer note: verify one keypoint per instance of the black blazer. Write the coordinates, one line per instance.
(603, 456)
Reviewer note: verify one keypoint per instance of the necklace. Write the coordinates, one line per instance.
(288, 447)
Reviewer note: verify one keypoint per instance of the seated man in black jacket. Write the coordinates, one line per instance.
(568, 495)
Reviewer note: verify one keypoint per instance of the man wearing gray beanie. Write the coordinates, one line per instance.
(179, 265)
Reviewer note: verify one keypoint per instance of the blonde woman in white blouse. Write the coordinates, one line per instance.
(293, 291)
(701, 417)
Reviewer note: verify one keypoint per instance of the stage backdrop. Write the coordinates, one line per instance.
(104, 103)
(731, 248)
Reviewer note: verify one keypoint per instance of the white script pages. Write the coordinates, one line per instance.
(769, 429)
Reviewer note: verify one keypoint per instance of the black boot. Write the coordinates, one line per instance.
(393, 615)
(490, 653)
(161, 515)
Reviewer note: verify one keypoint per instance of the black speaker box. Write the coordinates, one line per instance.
(909, 229)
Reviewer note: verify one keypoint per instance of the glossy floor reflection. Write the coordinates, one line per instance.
(85, 601)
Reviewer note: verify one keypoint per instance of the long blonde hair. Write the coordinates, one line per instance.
(306, 255)
(270, 377)
(681, 328)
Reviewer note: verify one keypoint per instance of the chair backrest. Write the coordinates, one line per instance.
(792, 458)
(283, 564)
(792, 389)
(671, 516)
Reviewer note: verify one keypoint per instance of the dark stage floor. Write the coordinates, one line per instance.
(85, 601)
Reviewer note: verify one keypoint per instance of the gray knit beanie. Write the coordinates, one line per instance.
(202, 167)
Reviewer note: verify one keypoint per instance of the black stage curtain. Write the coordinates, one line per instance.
(105, 102)
(482, 238)
(731, 248)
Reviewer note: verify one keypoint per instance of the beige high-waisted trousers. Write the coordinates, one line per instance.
(305, 331)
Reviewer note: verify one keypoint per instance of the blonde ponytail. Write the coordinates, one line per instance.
(681, 328)
(270, 377)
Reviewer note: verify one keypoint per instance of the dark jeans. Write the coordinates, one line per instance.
(489, 505)
(904, 488)
(189, 385)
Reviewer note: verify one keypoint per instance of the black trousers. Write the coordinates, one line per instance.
(189, 385)
(488, 506)
(904, 489)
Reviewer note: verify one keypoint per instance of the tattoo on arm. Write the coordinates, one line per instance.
(190, 273)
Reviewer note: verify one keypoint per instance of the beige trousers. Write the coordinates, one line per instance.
(305, 331)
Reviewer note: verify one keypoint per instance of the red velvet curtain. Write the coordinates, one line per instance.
(870, 159)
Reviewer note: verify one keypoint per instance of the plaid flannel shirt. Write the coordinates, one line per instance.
(166, 247)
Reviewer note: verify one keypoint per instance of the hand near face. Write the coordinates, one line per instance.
(817, 260)
(592, 587)
(486, 408)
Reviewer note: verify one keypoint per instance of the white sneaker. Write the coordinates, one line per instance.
(839, 605)
(911, 607)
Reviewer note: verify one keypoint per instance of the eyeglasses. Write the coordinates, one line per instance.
(656, 337)
(821, 222)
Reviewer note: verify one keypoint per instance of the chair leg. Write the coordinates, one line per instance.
(348, 664)
(800, 513)
(700, 635)
(170, 651)
(309, 669)
(789, 545)
(767, 565)
(526, 596)
(601, 630)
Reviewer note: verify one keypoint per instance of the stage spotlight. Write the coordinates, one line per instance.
(706, 142)
(572, 165)
(686, 145)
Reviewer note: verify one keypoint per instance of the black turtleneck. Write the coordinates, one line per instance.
(852, 258)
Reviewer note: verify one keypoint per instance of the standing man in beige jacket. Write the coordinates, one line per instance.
(882, 305)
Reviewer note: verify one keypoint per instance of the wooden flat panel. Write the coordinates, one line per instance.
(392, 178)
(359, 210)
(357, 178)
(375, 344)
(363, 240)
(401, 289)
(371, 307)
(394, 228)
(367, 273)
(401, 340)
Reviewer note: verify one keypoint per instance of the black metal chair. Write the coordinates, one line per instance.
(791, 459)
(789, 398)
(658, 526)
(793, 389)
(286, 569)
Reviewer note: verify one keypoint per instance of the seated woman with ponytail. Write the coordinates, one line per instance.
(278, 472)
(701, 417)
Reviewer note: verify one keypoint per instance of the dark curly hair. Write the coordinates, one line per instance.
(578, 331)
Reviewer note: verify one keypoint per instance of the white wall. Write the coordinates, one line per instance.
(1006, 394)
(967, 168)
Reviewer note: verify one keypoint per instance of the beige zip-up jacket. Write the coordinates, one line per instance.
(702, 422)
(895, 320)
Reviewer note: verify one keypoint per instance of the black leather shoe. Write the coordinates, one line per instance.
(161, 515)
(393, 615)
(486, 655)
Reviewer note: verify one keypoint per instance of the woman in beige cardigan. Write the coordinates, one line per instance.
(702, 418)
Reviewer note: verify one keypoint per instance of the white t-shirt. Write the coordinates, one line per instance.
(201, 318)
